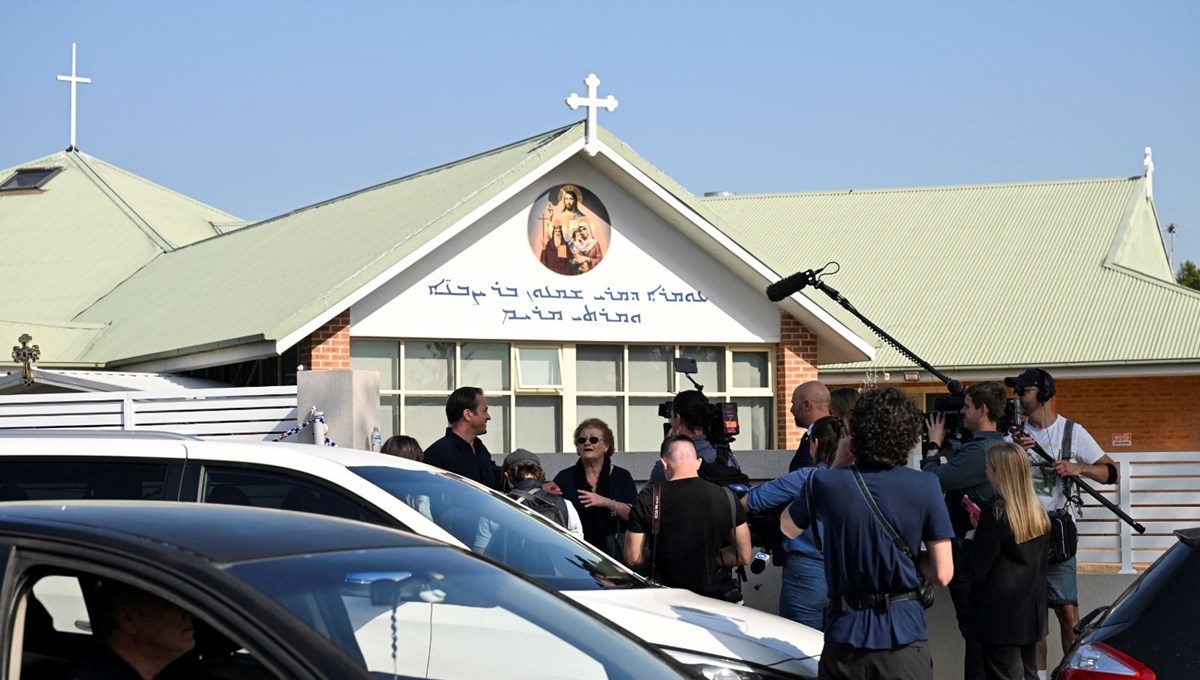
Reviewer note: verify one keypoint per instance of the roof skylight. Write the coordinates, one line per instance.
(29, 179)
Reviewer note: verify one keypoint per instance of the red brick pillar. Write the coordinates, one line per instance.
(795, 363)
(328, 348)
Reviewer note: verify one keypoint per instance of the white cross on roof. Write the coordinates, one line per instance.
(74, 80)
(592, 102)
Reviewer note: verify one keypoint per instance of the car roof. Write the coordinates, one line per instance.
(218, 533)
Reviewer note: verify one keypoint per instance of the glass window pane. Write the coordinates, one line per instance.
(645, 427)
(377, 355)
(496, 438)
(607, 409)
(650, 369)
(484, 365)
(539, 367)
(429, 366)
(750, 369)
(754, 418)
(598, 368)
(389, 415)
(538, 423)
(710, 369)
(424, 419)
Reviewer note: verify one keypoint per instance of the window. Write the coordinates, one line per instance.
(537, 394)
(29, 179)
(69, 479)
(270, 490)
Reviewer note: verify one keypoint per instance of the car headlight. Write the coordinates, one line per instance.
(717, 668)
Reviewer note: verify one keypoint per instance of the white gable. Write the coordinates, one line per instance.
(652, 284)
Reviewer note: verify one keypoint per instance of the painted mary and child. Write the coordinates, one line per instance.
(578, 254)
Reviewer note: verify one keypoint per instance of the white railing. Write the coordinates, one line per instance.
(250, 413)
(1159, 490)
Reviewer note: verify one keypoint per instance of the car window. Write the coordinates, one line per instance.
(488, 523)
(72, 479)
(58, 634)
(261, 489)
(435, 612)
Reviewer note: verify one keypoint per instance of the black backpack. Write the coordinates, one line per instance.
(538, 502)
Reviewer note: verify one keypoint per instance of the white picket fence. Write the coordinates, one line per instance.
(1157, 489)
(251, 413)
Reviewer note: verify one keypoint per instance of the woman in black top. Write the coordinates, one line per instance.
(600, 490)
(1006, 609)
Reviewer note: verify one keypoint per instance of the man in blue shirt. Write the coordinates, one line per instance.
(876, 625)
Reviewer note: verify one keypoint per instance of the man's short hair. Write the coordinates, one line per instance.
(990, 394)
(462, 399)
(664, 451)
(691, 406)
(886, 424)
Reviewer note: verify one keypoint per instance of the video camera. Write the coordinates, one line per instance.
(720, 423)
(949, 406)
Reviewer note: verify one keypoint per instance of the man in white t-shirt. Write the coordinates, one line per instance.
(1035, 388)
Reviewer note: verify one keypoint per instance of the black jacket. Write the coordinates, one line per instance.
(1007, 604)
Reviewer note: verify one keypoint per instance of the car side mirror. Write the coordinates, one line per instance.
(1083, 623)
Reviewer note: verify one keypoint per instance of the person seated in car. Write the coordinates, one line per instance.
(139, 636)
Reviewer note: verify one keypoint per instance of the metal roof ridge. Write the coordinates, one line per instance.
(931, 188)
(140, 222)
(143, 180)
(1169, 286)
(550, 137)
(78, 325)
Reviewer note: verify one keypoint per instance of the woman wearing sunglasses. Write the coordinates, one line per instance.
(600, 490)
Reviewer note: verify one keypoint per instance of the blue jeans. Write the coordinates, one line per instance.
(803, 595)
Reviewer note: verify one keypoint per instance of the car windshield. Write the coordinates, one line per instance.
(489, 524)
(436, 612)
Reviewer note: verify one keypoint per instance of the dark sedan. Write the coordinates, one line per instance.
(1149, 632)
(270, 594)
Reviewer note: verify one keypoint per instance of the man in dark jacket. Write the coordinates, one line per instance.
(461, 451)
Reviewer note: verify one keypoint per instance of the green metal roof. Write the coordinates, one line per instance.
(1049, 274)
(302, 264)
(89, 228)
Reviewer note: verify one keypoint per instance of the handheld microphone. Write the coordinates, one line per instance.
(789, 285)
(759, 564)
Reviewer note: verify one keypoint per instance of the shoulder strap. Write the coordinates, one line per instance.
(655, 520)
(866, 494)
(812, 515)
(1065, 452)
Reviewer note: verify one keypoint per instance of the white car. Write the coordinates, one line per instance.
(710, 635)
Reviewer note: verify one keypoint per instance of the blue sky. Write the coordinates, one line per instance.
(261, 107)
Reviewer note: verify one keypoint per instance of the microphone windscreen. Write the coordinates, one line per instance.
(786, 286)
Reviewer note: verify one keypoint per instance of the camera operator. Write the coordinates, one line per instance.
(1075, 453)
(689, 414)
(964, 474)
(803, 595)
(876, 626)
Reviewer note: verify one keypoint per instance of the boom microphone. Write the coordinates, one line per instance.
(787, 286)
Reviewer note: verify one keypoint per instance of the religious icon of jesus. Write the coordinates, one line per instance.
(569, 230)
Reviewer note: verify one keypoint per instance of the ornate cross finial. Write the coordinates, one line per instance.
(592, 102)
(25, 355)
(1148, 166)
(74, 80)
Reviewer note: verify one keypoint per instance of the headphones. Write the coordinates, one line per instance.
(1045, 386)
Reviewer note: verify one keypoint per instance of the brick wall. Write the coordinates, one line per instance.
(328, 348)
(795, 363)
(1159, 413)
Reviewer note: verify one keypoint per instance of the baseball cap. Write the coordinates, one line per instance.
(1033, 377)
(519, 456)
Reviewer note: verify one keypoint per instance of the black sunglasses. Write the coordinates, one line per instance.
(1021, 390)
(592, 439)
